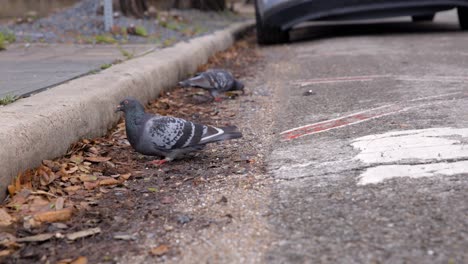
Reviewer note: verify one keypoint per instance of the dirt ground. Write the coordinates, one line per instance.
(207, 208)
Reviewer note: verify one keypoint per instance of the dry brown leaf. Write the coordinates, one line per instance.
(109, 181)
(36, 238)
(84, 168)
(71, 170)
(160, 250)
(98, 159)
(11, 190)
(54, 216)
(83, 233)
(87, 178)
(72, 189)
(5, 218)
(6, 252)
(65, 261)
(80, 260)
(90, 185)
(93, 150)
(125, 176)
(77, 159)
(59, 203)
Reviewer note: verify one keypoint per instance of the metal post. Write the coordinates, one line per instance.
(108, 15)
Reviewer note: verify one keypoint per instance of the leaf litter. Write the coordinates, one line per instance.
(65, 195)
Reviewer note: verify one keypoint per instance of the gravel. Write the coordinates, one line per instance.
(81, 23)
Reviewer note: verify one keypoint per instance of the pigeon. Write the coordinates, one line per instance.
(167, 136)
(216, 81)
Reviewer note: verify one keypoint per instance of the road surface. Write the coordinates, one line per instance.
(371, 161)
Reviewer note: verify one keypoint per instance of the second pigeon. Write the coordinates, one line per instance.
(216, 81)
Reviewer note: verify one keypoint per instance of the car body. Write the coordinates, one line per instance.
(276, 17)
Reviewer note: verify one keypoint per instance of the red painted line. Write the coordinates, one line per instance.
(342, 122)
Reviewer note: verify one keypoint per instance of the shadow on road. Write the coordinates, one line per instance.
(318, 31)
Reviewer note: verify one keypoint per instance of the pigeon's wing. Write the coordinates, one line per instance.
(168, 133)
(223, 79)
(202, 80)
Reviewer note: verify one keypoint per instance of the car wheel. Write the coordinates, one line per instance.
(268, 34)
(463, 17)
(423, 18)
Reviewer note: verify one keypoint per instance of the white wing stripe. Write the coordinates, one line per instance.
(220, 132)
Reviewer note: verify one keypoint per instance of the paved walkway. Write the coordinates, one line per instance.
(25, 69)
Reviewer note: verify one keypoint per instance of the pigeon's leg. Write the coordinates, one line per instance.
(215, 95)
(158, 162)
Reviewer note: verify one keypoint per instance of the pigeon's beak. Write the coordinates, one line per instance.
(118, 109)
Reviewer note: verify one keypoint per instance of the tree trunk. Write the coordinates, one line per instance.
(136, 8)
(212, 5)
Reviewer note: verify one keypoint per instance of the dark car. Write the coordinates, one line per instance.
(276, 17)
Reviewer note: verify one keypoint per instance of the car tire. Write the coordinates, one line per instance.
(423, 18)
(463, 17)
(268, 34)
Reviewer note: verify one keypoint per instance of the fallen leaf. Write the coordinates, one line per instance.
(126, 176)
(90, 185)
(71, 170)
(84, 168)
(72, 189)
(59, 203)
(124, 237)
(6, 252)
(5, 218)
(160, 250)
(65, 261)
(109, 181)
(11, 190)
(87, 178)
(83, 233)
(36, 238)
(80, 260)
(76, 159)
(54, 216)
(98, 159)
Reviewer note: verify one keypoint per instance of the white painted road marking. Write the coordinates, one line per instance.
(380, 173)
(363, 78)
(444, 149)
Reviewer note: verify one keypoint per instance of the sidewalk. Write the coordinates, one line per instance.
(35, 67)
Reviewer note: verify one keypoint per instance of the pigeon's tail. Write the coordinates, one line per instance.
(220, 133)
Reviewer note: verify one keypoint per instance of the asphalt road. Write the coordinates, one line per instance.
(371, 161)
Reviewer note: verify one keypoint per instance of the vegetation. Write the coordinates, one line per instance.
(105, 66)
(141, 31)
(105, 39)
(8, 99)
(128, 55)
(5, 38)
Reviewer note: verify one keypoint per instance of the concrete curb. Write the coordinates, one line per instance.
(44, 125)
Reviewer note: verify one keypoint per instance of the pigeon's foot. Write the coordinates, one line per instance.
(218, 99)
(159, 162)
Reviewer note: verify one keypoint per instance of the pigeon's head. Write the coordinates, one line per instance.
(239, 86)
(129, 105)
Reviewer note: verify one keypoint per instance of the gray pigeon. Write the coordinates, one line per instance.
(166, 136)
(216, 81)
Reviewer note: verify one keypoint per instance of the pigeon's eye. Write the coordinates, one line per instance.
(125, 102)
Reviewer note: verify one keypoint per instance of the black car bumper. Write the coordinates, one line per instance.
(286, 14)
